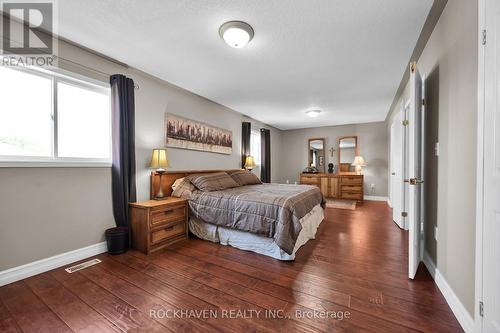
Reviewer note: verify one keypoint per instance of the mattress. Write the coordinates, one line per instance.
(256, 243)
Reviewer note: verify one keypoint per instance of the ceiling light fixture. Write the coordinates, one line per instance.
(313, 113)
(236, 34)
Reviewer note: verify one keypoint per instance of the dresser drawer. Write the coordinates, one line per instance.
(352, 188)
(169, 231)
(309, 180)
(352, 196)
(351, 180)
(167, 215)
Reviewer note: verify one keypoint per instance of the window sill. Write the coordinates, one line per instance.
(55, 164)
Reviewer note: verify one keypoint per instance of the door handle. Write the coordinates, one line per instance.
(393, 173)
(414, 181)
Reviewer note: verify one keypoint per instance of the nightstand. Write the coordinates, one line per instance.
(156, 224)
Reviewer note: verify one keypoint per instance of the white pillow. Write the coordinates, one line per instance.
(177, 182)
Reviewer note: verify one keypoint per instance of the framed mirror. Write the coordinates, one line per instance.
(348, 150)
(316, 153)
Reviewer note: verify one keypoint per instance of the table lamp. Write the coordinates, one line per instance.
(249, 163)
(359, 163)
(159, 162)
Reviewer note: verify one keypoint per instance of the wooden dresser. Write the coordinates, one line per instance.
(156, 224)
(346, 185)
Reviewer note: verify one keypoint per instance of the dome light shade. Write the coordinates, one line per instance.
(236, 34)
(313, 113)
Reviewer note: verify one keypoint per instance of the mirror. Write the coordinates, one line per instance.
(348, 150)
(316, 153)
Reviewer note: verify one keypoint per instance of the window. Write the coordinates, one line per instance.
(255, 146)
(50, 119)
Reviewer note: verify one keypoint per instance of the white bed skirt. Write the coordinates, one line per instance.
(255, 243)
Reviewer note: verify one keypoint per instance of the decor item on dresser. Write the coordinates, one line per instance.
(158, 224)
(359, 163)
(123, 147)
(250, 163)
(159, 161)
(185, 133)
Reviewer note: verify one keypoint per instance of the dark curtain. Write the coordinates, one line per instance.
(123, 147)
(245, 141)
(265, 157)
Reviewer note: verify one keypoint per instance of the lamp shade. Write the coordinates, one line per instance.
(249, 162)
(159, 159)
(359, 161)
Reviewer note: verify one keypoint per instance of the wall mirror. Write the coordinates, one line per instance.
(316, 153)
(348, 150)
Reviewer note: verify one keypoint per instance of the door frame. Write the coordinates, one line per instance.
(402, 162)
(478, 297)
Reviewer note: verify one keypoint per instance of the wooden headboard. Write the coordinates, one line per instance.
(168, 179)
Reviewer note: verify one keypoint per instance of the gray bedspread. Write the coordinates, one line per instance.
(271, 210)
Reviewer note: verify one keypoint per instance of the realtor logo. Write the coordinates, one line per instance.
(28, 33)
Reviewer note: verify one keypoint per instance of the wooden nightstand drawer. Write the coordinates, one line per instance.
(166, 215)
(168, 232)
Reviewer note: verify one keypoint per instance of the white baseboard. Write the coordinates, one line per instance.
(429, 263)
(463, 316)
(33, 268)
(375, 198)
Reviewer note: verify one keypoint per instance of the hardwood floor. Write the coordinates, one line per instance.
(356, 268)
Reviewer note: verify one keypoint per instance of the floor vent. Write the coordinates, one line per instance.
(82, 265)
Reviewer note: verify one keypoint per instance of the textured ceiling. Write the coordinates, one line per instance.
(345, 57)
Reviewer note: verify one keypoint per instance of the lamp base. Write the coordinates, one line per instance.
(159, 195)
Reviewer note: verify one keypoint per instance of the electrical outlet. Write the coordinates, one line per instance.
(436, 233)
(372, 188)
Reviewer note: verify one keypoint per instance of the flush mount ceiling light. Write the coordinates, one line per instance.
(236, 34)
(313, 113)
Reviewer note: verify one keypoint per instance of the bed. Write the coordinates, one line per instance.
(269, 219)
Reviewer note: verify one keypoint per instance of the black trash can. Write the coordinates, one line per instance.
(117, 239)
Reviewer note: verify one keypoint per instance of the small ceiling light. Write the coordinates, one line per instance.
(236, 34)
(313, 113)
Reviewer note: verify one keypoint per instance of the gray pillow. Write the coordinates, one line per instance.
(184, 189)
(245, 178)
(212, 181)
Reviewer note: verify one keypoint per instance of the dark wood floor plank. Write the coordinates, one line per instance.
(141, 300)
(124, 316)
(219, 298)
(7, 322)
(296, 301)
(30, 313)
(151, 276)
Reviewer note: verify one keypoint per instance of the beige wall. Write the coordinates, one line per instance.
(372, 141)
(451, 54)
(47, 211)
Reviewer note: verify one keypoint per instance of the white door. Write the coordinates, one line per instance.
(415, 130)
(491, 208)
(397, 185)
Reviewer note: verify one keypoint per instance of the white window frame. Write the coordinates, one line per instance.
(59, 75)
